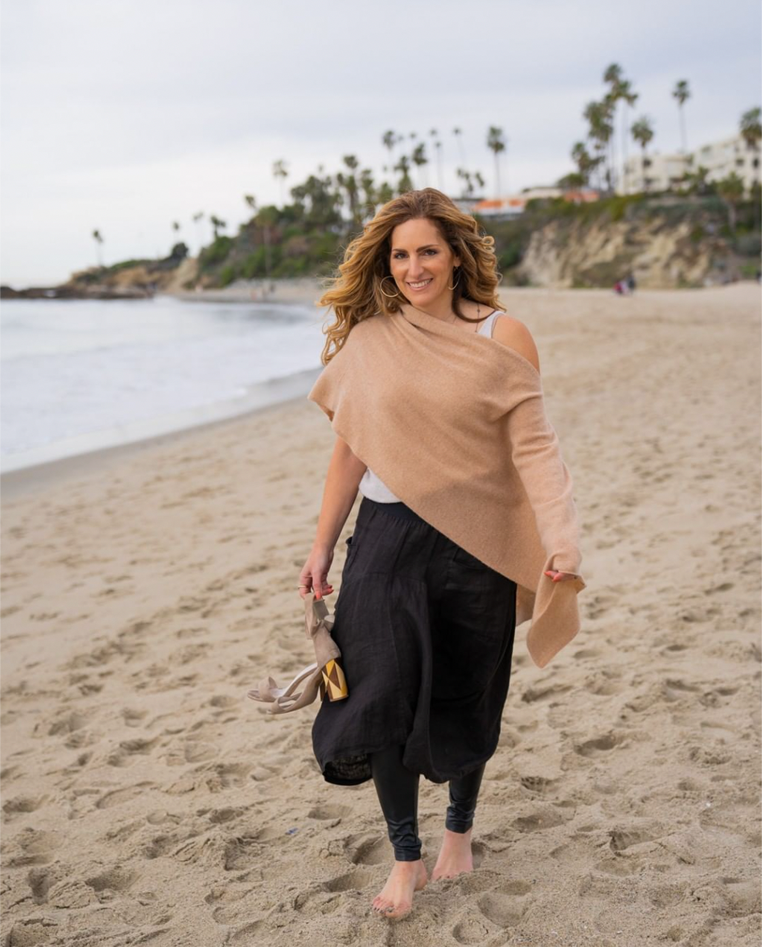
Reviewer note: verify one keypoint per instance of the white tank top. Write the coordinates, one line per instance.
(372, 486)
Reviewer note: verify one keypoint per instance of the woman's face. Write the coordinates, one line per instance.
(421, 262)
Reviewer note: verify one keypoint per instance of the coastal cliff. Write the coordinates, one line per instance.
(664, 243)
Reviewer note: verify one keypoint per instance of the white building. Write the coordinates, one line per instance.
(660, 172)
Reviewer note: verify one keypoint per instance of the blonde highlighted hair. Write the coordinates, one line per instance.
(356, 292)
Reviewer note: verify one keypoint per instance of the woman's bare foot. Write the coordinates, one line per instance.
(396, 897)
(455, 855)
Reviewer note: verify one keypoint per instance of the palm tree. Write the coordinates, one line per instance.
(197, 218)
(405, 183)
(251, 202)
(629, 98)
(613, 76)
(608, 138)
(370, 196)
(598, 115)
(751, 129)
(419, 159)
(458, 133)
(438, 145)
(496, 144)
(349, 183)
(217, 224)
(389, 140)
(643, 133)
(682, 93)
(730, 190)
(98, 243)
(585, 162)
(384, 193)
(465, 176)
(280, 171)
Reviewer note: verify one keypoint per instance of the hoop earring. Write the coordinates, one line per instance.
(457, 281)
(381, 287)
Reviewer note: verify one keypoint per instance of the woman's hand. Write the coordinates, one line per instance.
(314, 575)
(560, 576)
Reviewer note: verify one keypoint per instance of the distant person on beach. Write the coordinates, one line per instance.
(433, 387)
(631, 283)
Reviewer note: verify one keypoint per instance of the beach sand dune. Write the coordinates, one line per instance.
(145, 800)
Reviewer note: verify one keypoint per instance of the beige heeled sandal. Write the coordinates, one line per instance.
(324, 676)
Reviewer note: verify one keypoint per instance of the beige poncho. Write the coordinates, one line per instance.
(454, 424)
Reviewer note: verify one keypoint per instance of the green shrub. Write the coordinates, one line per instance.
(215, 253)
(748, 244)
(227, 275)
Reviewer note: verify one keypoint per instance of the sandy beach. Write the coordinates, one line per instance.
(147, 800)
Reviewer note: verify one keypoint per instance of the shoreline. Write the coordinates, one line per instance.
(22, 481)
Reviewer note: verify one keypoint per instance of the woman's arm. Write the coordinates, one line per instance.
(345, 471)
(342, 480)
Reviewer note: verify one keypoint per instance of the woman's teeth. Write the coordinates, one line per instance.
(420, 285)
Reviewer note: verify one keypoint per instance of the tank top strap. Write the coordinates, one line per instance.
(486, 328)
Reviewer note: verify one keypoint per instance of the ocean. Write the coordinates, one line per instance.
(80, 375)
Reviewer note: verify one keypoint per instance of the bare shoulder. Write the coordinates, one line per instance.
(513, 333)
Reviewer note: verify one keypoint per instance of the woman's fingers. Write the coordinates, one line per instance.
(559, 576)
(319, 587)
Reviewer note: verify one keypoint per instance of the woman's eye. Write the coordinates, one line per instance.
(398, 256)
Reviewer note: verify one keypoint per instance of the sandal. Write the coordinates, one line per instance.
(325, 676)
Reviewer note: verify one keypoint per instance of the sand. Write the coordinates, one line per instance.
(146, 800)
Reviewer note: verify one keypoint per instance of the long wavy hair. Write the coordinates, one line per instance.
(356, 292)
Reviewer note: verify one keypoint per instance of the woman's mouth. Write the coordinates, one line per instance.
(421, 284)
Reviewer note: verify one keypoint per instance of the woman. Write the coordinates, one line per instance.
(435, 397)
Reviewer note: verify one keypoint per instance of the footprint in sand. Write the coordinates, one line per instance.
(598, 745)
(504, 907)
(350, 881)
(538, 784)
(12, 808)
(119, 797)
(538, 821)
(129, 749)
(472, 930)
(37, 847)
(623, 838)
(370, 851)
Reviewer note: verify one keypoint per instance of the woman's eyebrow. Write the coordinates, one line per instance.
(427, 247)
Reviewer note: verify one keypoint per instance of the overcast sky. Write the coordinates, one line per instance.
(124, 115)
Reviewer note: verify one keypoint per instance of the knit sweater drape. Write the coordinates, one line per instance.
(454, 423)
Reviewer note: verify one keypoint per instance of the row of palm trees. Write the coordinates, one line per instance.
(412, 169)
(597, 155)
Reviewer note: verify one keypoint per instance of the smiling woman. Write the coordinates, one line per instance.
(478, 535)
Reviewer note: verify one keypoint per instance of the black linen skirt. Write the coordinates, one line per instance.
(426, 634)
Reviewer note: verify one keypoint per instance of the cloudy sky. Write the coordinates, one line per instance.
(124, 115)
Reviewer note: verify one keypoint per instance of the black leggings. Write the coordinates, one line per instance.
(397, 789)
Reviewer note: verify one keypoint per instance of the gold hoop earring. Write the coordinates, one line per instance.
(457, 281)
(381, 287)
